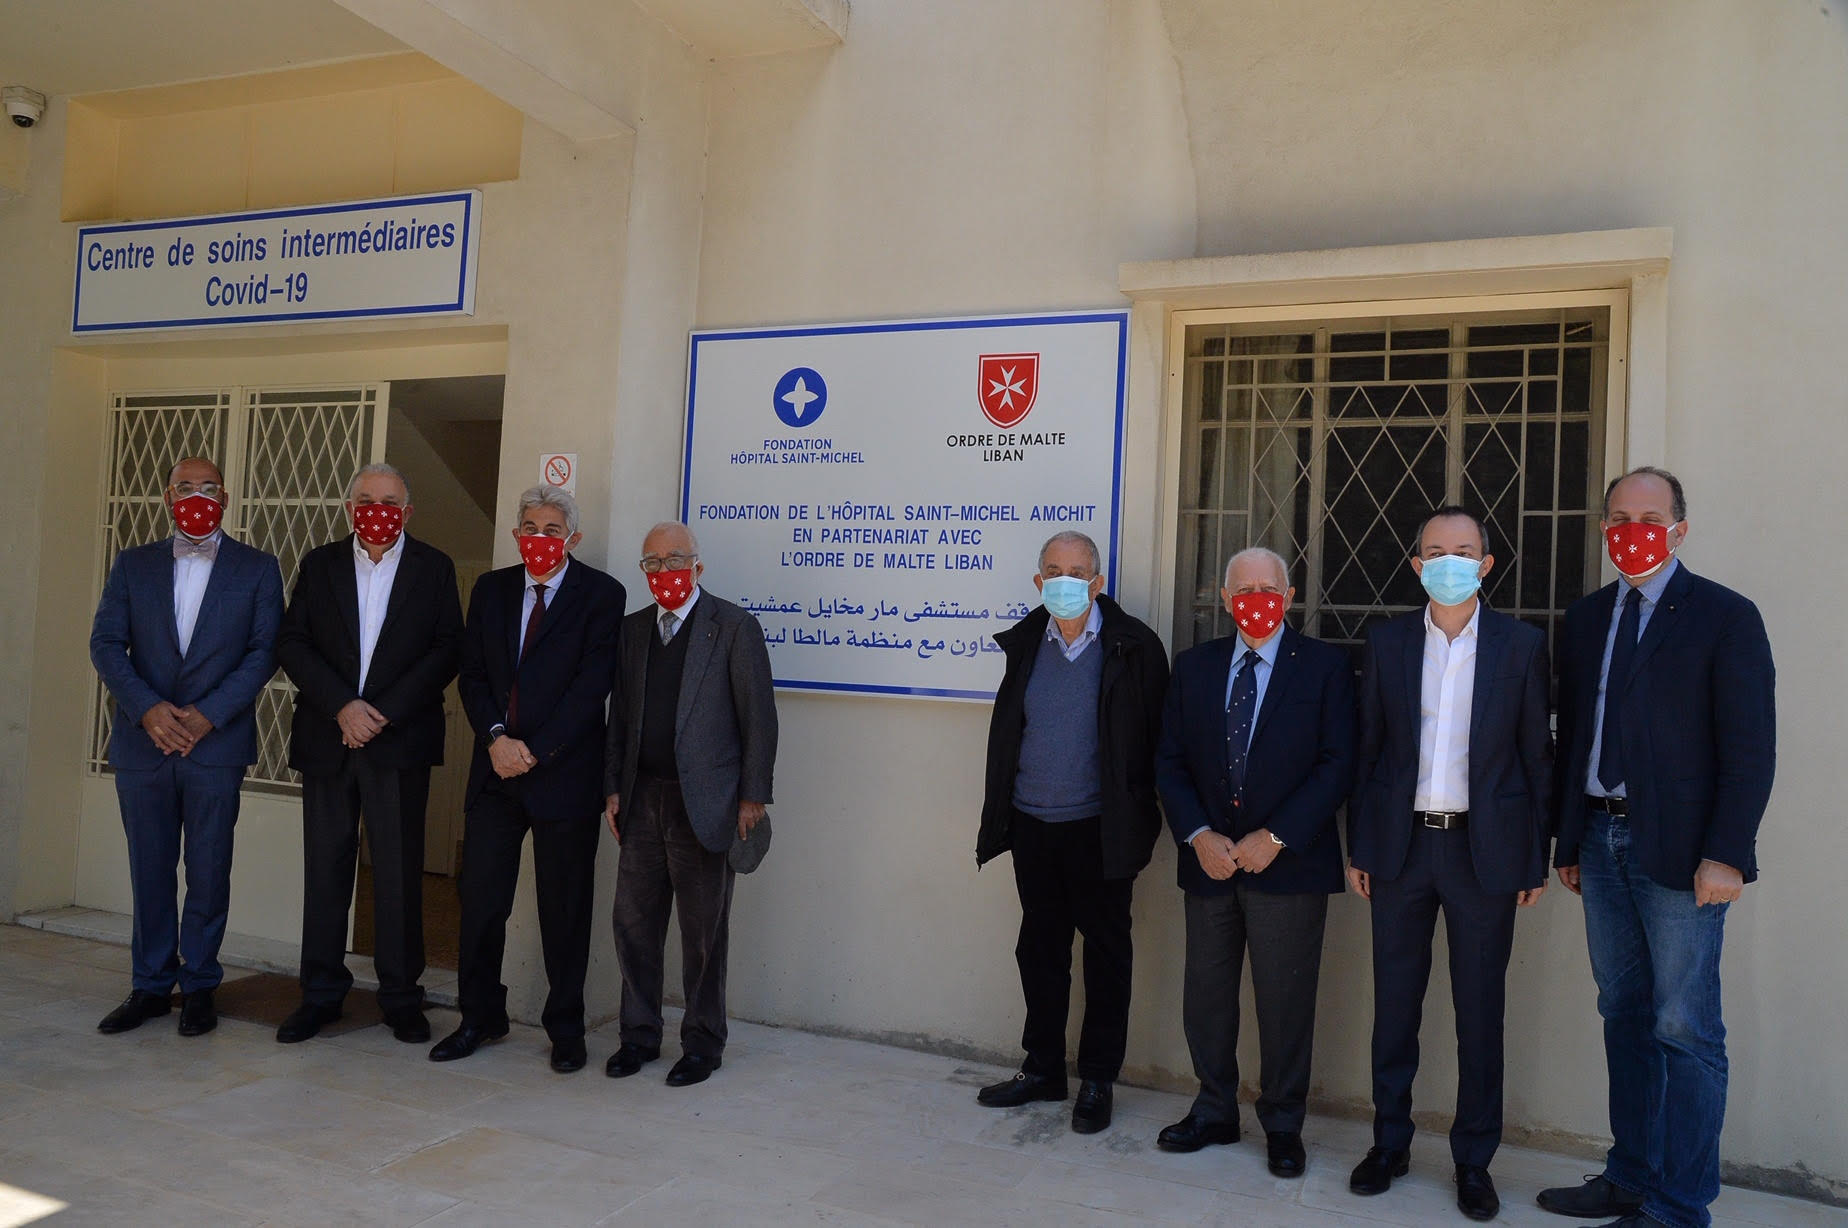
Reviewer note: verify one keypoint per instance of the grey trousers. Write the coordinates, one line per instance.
(664, 867)
(1284, 933)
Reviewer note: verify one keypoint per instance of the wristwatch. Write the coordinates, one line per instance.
(1273, 835)
(495, 732)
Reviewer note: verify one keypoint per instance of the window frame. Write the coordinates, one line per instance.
(1616, 301)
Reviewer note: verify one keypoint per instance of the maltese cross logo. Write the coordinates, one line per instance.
(1007, 385)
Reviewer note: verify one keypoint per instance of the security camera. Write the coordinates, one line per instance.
(24, 107)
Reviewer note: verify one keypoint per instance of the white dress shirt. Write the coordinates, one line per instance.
(1075, 649)
(680, 616)
(1445, 697)
(527, 597)
(373, 581)
(190, 576)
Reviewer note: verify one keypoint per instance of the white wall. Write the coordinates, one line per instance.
(982, 157)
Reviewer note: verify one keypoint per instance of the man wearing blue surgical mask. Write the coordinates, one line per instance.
(1071, 792)
(1449, 813)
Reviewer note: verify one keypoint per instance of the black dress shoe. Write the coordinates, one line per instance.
(136, 1009)
(1091, 1112)
(198, 1015)
(408, 1024)
(1596, 1199)
(464, 1041)
(693, 1068)
(305, 1021)
(627, 1060)
(568, 1055)
(1476, 1195)
(1193, 1132)
(1023, 1088)
(1374, 1174)
(1284, 1148)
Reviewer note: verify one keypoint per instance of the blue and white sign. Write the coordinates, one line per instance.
(877, 494)
(404, 256)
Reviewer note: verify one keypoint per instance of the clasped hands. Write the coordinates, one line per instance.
(359, 722)
(510, 757)
(1222, 857)
(175, 730)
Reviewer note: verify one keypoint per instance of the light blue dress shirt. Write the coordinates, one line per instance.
(1075, 649)
(1652, 590)
(1267, 661)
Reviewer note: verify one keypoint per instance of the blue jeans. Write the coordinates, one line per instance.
(1656, 958)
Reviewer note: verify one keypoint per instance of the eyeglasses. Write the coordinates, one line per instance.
(211, 490)
(653, 564)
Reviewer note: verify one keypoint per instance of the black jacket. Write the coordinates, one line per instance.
(1300, 766)
(565, 679)
(1128, 728)
(318, 648)
(1699, 728)
(1510, 752)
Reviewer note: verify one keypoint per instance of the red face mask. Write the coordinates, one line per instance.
(542, 554)
(1638, 549)
(198, 515)
(378, 524)
(671, 588)
(1258, 614)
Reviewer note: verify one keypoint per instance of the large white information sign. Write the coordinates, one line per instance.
(877, 493)
(406, 256)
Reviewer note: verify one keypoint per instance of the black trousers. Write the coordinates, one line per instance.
(1058, 869)
(392, 801)
(564, 872)
(1479, 929)
(665, 868)
(1284, 934)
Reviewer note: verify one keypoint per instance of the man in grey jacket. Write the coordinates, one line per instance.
(687, 770)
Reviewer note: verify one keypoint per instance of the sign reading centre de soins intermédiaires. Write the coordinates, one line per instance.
(403, 256)
(877, 494)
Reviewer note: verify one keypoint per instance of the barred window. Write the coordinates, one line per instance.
(1327, 440)
(287, 455)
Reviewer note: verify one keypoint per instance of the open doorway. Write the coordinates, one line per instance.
(444, 435)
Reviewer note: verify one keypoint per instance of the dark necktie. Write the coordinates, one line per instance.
(1239, 715)
(1623, 655)
(526, 641)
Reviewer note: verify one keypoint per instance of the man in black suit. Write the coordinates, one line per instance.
(370, 641)
(1256, 756)
(688, 772)
(538, 661)
(1450, 812)
(1668, 743)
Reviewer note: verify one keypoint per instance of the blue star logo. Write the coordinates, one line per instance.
(800, 396)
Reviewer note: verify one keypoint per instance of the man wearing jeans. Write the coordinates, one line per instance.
(1667, 736)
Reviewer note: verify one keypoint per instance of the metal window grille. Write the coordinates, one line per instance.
(286, 454)
(1327, 440)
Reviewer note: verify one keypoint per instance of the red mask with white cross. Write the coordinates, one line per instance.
(1638, 549)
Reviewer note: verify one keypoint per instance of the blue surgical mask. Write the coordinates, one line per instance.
(1066, 596)
(1451, 579)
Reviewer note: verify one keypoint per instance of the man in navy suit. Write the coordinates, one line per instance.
(1668, 741)
(184, 639)
(538, 662)
(1256, 755)
(1450, 812)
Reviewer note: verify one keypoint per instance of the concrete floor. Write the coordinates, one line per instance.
(232, 1128)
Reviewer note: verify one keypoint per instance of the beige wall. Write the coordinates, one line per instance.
(996, 179)
(967, 156)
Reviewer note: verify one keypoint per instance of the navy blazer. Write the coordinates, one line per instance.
(565, 678)
(412, 663)
(1510, 751)
(1298, 771)
(135, 646)
(1699, 727)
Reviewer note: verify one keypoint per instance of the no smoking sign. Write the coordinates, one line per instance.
(559, 469)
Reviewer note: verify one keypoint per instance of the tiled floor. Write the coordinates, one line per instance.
(796, 1129)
